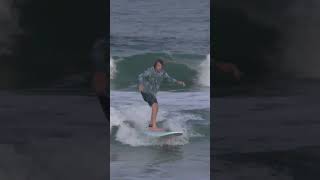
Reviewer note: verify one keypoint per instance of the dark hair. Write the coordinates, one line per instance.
(158, 61)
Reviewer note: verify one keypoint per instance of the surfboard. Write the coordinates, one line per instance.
(159, 134)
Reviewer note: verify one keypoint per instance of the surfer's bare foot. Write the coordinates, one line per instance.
(155, 129)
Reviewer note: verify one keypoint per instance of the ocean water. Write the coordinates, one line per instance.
(178, 32)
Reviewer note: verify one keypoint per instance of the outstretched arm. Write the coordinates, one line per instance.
(173, 80)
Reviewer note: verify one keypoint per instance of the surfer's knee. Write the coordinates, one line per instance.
(155, 105)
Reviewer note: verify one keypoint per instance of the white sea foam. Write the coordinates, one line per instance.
(130, 116)
(113, 68)
(204, 72)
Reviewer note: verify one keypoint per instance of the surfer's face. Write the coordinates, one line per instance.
(158, 67)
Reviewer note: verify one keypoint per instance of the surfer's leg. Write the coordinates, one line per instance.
(154, 113)
(150, 99)
(153, 103)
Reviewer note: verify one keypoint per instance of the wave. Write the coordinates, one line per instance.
(128, 131)
(192, 68)
(113, 69)
(204, 72)
(129, 117)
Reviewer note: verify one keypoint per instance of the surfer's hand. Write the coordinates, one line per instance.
(141, 87)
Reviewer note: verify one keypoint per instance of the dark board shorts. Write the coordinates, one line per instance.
(149, 98)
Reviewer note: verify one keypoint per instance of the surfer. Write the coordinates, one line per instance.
(149, 83)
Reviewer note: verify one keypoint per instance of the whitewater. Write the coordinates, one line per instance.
(130, 114)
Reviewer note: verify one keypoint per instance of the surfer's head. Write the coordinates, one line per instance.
(158, 65)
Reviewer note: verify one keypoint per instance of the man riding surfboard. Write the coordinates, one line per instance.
(149, 83)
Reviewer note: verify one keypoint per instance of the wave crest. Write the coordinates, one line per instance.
(113, 68)
(204, 72)
(191, 68)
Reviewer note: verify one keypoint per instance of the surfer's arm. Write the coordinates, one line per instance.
(173, 80)
(169, 78)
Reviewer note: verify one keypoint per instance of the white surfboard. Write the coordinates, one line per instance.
(159, 134)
